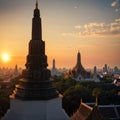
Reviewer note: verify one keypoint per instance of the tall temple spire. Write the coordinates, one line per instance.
(36, 24)
(78, 58)
(35, 84)
(34, 95)
(36, 4)
(53, 63)
(79, 68)
(78, 72)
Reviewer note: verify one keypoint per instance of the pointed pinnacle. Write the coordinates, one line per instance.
(36, 4)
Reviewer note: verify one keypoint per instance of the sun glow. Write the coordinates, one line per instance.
(5, 57)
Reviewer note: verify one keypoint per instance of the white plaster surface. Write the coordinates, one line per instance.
(36, 110)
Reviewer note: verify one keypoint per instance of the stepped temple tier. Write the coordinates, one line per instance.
(34, 98)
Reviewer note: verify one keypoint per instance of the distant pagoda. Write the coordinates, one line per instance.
(78, 72)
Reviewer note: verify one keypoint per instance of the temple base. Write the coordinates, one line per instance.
(36, 110)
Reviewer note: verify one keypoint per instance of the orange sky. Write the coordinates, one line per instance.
(67, 27)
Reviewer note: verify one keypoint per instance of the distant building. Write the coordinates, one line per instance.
(105, 68)
(78, 72)
(16, 72)
(116, 70)
(54, 71)
(95, 76)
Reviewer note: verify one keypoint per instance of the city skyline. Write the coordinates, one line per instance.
(92, 27)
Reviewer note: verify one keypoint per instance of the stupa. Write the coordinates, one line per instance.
(34, 98)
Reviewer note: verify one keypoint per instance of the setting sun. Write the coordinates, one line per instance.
(5, 57)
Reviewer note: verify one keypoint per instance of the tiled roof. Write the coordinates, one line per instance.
(82, 113)
(110, 111)
(107, 112)
(86, 112)
(118, 109)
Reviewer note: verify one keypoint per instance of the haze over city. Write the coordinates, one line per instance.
(89, 26)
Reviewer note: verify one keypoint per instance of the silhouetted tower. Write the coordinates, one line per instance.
(78, 68)
(105, 68)
(95, 70)
(95, 77)
(95, 73)
(53, 63)
(35, 84)
(16, 70)
(78, 71)
(34, 98)
(36, 24)
(53, 70)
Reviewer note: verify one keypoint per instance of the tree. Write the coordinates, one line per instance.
(96, 92)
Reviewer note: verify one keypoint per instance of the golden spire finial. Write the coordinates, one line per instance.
(36, 3)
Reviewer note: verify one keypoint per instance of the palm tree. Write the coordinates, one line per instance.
(96, 92)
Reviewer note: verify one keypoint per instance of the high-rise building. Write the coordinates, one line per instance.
(116, 70)
(105, 68)
(16, 73)
(95, 78)
(34, 98)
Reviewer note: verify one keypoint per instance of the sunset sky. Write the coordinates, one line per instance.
(89, 26)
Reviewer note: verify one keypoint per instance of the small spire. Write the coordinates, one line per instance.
(96, 102)
(81, 100)
(36, 4)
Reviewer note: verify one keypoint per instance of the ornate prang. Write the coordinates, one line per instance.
(35, 84)
(79, 69)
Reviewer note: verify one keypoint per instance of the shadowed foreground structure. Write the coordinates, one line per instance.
(86, 112)
(34, 98)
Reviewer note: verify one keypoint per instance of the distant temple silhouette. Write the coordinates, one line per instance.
(78, 72)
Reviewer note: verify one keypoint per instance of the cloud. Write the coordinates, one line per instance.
(78, 26)
(96, 29)
(116, 5)
(75, 7)
(117, 9)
